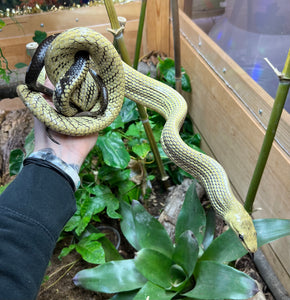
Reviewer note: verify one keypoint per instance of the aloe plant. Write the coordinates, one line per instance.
(194, 267)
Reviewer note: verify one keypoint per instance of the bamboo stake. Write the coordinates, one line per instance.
(119, 38)
(176, 39)
(277, 109)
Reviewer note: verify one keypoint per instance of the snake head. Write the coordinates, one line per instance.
(242, 224)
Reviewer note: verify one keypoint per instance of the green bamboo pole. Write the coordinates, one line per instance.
(176, 39)
(139, 34)
(277, 109)
(119, 38)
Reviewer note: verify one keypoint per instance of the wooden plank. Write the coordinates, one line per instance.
(234, 137)
(13, 38)
(247, 90)
(157, 26)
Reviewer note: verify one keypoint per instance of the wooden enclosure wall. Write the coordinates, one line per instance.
(224, 106)
(15, 35)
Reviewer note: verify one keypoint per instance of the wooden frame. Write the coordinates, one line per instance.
(224, 106)
(15, 36)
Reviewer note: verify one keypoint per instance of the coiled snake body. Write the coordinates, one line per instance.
(120, 80)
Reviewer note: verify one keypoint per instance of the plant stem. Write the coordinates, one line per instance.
(277, 109)
(125, 56)
(176, 42)
(139, 34)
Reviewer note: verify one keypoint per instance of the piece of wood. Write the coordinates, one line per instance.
(15, 36)
(234, 136)
(156, 33)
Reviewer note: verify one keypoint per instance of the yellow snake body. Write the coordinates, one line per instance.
(122, 79)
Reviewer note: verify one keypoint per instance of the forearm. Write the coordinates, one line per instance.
(33, 210)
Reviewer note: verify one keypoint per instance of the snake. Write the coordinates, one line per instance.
(74, 114)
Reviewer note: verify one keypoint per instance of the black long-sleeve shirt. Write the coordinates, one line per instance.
(33, 210)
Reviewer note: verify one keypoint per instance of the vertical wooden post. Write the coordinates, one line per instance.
(157, 36)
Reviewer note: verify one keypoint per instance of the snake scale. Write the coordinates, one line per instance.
(119, 80)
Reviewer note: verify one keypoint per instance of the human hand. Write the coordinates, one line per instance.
(71, 149)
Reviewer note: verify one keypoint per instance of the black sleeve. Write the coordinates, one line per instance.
(33, 210)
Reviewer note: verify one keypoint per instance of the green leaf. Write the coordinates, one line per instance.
(269, 230)
(186, 252)
(128, 225)
(154, 292)
(39, 36)
(128, 191)
(117, 123)
(136, 130)
(150, 233)
(185, 81)
(210, 229)
(2, 24)
(141, 150)
(105, 197)
(91, 250)
(155, 266)
(113, 150)
(125, 296)
(29, 143)
(111, 277)
(191, 207)
(113, 176)
(15, 161)
(20, 65)
(3, 188)
(111, 253)
(129, 111)
(66, 250)
(227, 247)
(218, 281)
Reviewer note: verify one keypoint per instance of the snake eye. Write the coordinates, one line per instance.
(241, 237)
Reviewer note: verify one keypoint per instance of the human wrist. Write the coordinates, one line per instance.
(49, 155)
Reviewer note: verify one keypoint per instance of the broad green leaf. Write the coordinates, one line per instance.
(91, 249)
(117, 123)
(155, 266)
(269, 230)
(129, 191)
(128, 225)
(111, 253)
(150, 233)
(153, 292)
(72, 223)
(124, 296)
(39, 36)
(113, 150)
(141, 150)
(218, 281)
(113, 176)
(192, 216)
(186, 252)
(15, 161)
(210, 229)
(111, 277)
(136, 130)
(129, 111)
(227, 247)
(103, 194)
